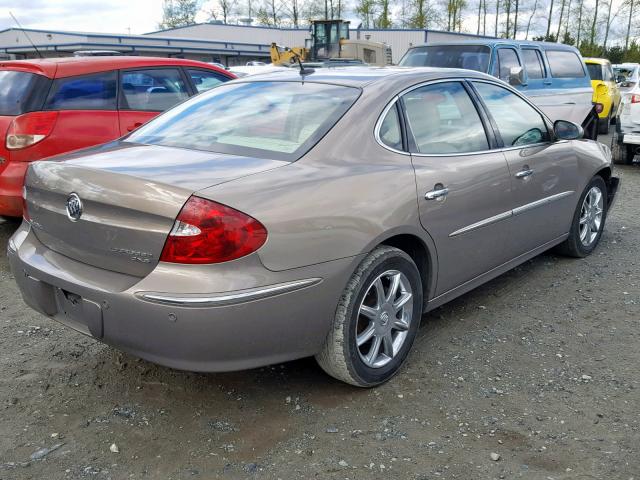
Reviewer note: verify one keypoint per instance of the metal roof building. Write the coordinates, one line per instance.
(228, 44)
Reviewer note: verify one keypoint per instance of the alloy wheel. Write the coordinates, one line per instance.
(384, 318)
(591, 216)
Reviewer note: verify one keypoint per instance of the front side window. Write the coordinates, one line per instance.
(153, 90)
(507, 59)
(84, 92)
(278, 120)
(565, 64)
(443, 119)
(518, 122)
(470, 57)
(533, 63)
(205, 80)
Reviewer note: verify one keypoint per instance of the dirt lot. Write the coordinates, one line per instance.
(539, 366)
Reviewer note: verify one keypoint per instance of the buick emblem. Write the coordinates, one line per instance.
(74, 207)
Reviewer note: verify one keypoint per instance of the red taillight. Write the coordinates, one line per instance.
(635, 98)
(29, 129)
(599, 107)
(208, 232)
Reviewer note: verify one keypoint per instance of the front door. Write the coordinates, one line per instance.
(463, 186)
(542, 171)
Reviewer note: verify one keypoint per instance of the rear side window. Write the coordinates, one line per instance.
(153, 90)
(564, 64)
(390, 132)
(507, 59)
(205, 80)
(443, 119)
(21, 92)
(85, 92)
(533, 64)
(595, 71)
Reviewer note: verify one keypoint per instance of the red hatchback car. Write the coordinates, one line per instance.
(57, 105)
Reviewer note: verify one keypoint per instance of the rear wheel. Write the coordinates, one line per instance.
(588, 220)
(376, 321)
(621, 153)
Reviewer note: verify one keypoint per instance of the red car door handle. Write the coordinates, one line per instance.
(131, 128)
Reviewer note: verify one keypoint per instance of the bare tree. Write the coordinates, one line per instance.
(515, 20)
(497, 17)
(384, 19)
(222, 9)
(592, 38)
(531, 16)
(626, 37)
(549, 18)
(365, 9)
(581, 3)
(560, 21)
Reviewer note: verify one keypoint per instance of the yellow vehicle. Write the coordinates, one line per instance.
(606, 94)
(330, 42)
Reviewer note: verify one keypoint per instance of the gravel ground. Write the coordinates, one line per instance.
(533, 375)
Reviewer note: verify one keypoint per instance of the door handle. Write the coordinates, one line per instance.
(131, 128)
(439, 192)
(527, 172)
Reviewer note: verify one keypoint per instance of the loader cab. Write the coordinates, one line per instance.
(325, 38)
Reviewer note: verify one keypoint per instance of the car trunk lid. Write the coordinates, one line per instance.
(130, 196)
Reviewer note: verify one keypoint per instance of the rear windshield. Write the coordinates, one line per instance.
(279, 120)
(471, 57)
(21, 92)
(595, 71)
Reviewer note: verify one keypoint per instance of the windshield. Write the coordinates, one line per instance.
(471, 57)
(278, 120)
(18, 91)
(595, 71)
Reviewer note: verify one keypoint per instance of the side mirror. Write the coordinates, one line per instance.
(566, 130)
(516, 76)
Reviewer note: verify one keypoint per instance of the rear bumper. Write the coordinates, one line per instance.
(287, 316)
(11, 182)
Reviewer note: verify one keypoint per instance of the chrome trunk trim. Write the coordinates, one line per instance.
(230, 298)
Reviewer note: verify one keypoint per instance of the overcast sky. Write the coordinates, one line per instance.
(110, 16)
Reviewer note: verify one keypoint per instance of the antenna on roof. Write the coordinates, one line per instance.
(303, 70)
(26, 35)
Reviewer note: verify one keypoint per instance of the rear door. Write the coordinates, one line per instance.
(463, 185)
(87, 112)
(543, 172)
(144, 93)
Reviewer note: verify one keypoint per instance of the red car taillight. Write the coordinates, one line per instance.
(599, 107)
(29, 129)
(635, 98)
(208, 232)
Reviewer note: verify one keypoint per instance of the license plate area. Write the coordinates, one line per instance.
(78, 313)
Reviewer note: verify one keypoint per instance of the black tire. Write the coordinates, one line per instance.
(603, 125)
(340, 357)
(621, 154)
(573, 245)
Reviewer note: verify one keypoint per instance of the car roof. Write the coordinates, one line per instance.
(365, 76)
(599, 61)
(501, 41)
(70, 66)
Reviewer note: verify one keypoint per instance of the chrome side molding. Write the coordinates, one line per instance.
(511, 213)
(230, 298)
